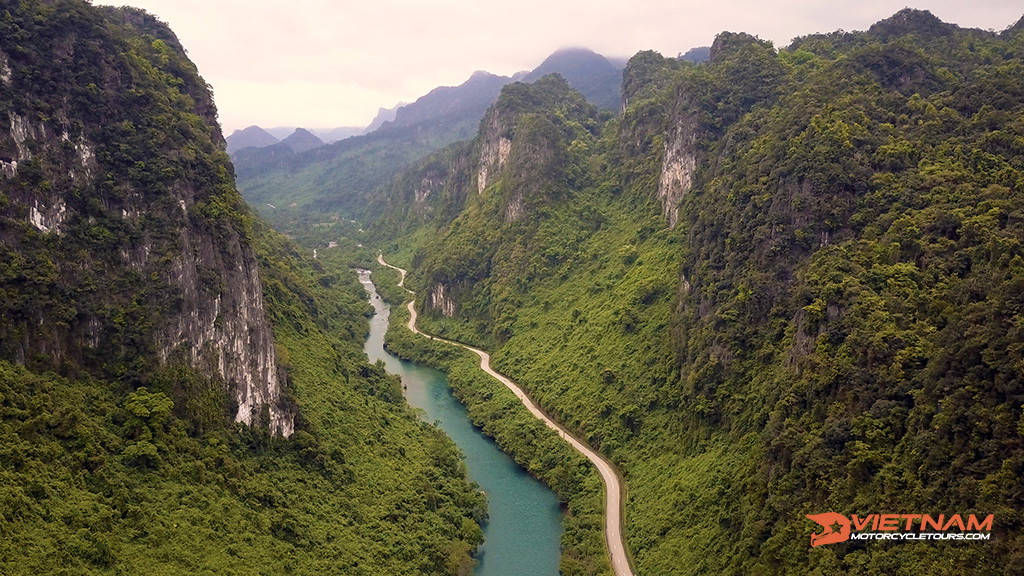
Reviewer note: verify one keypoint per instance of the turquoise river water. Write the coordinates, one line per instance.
(524, 526)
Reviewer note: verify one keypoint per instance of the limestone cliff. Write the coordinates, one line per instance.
(678, 166)
(524, 159)
(125, 245)
(495, 145)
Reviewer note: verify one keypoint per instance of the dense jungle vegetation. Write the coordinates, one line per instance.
(781, 282)
(108, 477)
(502, 416)
(113, 461)
(827, 316)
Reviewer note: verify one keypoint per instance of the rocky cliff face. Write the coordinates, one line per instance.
(678, 166)
(125, 246)
(495, 145)
(522, 145)
(523, 161)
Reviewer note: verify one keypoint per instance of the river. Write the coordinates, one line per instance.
(525, 522)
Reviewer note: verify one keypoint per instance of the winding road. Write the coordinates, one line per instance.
(612, 481)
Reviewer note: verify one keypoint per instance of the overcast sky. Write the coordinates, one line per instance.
(329, 63)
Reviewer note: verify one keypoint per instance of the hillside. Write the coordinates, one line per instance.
(341, 178)
(782, 283)
(181, 392)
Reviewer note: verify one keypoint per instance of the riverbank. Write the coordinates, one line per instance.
(524, 520)
(544, 451)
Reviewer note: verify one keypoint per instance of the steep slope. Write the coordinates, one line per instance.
(462, 104)
(517, 169)
(104, 162)
(782, 283)
(138, 296)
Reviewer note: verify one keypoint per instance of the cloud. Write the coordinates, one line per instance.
(289, 59)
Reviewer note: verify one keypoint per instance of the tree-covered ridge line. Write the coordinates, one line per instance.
(824, 314)
(119, 212)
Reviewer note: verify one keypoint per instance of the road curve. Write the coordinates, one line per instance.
(609, 475)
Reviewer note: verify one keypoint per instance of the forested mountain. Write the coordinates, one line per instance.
(180, 392)
(588, 72)
(126, 244)
(783, 282)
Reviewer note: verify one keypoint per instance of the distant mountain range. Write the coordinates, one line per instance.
(595, 76)
(257, 137)
(355, 167)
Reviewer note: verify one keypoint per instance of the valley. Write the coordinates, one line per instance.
(523, 526)
(740, 289)
(613, 489)
(686, 307)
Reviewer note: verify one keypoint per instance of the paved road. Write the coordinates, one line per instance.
(612, 481)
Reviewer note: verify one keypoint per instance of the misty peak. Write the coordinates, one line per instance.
(587, 71)
(573, 56)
